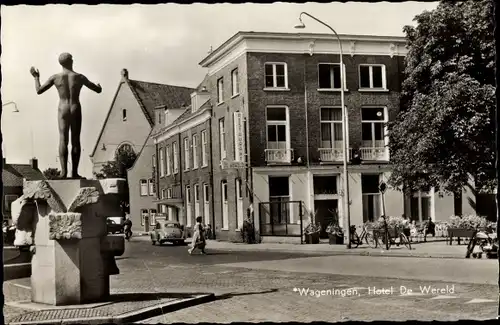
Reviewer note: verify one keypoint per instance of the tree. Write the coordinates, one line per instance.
(117, 168)
(52, 173)
(445, 132)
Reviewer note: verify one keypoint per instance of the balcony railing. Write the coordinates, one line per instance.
(277, 156)
(337, 154)
(379, 153)
(331, 154)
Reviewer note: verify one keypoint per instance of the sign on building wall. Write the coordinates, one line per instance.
(239, 137)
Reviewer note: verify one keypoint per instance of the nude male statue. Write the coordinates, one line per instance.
(68, 84)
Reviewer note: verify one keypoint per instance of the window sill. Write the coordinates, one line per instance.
(194, 168)
(220, 103)
(373, 90)
(204, 166)
(224, 229)
(332, 90)
(235, 95)
(238, 230)
(276, 89)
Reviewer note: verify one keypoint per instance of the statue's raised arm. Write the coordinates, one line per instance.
(92, 86)
(41, 89)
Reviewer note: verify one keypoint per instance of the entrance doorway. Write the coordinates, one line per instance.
(326, 212)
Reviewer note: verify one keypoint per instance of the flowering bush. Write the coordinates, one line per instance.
(392, 222)
(467, 222)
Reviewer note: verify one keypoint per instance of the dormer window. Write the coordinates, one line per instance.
(124, 114)
(194, 104)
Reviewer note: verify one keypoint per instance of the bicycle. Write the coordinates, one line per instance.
(387, 238)
(365, 235)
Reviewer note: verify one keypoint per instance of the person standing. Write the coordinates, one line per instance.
(198, 240)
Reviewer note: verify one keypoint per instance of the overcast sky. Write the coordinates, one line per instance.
(157, 43)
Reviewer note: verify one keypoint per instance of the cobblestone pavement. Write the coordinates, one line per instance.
(246, 294)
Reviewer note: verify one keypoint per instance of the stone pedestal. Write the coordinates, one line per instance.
(73, 255)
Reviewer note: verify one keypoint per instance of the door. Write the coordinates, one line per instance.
(326, 212)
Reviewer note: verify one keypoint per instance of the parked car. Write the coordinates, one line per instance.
(167, 232)
(114, 227)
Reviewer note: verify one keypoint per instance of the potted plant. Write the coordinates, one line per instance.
(335, 234)
(311, 233)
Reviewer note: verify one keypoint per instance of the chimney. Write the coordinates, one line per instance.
(125, 74)
(34, 163)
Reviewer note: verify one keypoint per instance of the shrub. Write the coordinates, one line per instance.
(467, 222)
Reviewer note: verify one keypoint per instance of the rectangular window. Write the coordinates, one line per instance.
(152, 191)
(197, 201)
(276, 75)
(372, 76)
(225, 212)
(331, 127)
(176, 157)
(144, 216)
(373, 121)
(9, 198)
(169, 193)
(420, 206)
(162, 162)
(124, 114)
(372, 207)
(235, 82)
(220, 90)
(152, 217)
(222, 139)
(239, 204)
(325, 185)
(169, 160)
(186, 154)
(279, 195)
(204, 148)
(144, 187)
(277, 128)
(206, 193)
(195, 151)
(329, 76)
(163, 193)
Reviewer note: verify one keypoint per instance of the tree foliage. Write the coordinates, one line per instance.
(445, 131)
(52, 173)
(117, 168)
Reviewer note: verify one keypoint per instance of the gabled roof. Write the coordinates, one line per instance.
(150, 95)
(13, 174)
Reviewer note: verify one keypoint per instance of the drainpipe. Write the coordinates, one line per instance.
(309, 176)
(212, 175)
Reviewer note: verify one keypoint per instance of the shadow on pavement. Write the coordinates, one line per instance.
(231, 295)
(145, 296)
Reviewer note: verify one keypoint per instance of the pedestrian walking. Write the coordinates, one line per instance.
(198, 240)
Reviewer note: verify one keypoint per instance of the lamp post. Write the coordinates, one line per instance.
(301, 25)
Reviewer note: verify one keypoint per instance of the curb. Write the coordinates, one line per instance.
(334, 253)
(16, 271)
(132, 316)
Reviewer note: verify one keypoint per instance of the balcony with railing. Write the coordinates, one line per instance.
(374, 153)
(366, 153)
(279, 156)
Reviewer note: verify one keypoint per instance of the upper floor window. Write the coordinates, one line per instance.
(176, 157)
(169, 160)
(195, 151)
(152, 190)
(124, 114)
(220, 90)
(373, 121)
(186, 153)
(144, 187)
(331, 127)
(162, 162)
(169, 193)
(235, 82)
(159, 116)
(277, 127)
(162, 193)
(204, 149)
(222, 139)
(276, 75)
(329, 76)
(372, 76)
